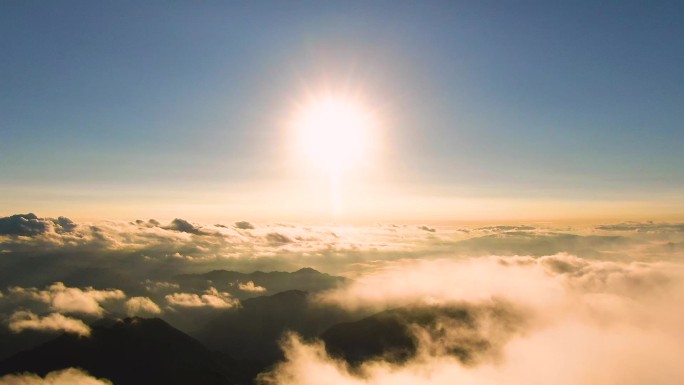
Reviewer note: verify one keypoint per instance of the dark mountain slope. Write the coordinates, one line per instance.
(253, 331)
(134, 351)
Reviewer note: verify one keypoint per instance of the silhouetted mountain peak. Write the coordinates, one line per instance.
(133, 351)
(298, 294)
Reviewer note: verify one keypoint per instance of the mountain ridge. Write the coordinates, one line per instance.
(133, 351)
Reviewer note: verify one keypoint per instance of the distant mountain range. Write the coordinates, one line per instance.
(306, 279)
(232, 346)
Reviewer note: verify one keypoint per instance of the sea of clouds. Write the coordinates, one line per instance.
(547, 304)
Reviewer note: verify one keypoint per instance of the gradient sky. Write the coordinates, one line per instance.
(490, 110)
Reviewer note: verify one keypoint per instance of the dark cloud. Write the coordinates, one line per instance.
(23, 224)
(277, 238)
(426, 228)
(184, 226)
(31, 225)
(643, 227)
(506, 228)
(244, 225)
(64, 225)
(149, 223)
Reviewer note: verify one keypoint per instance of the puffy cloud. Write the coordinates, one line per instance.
(211, 298)
(22, 224)
(141, 306)
(426, 228)
(251, 287)
(440, 282)
(70, 376)
(30, 225)
(22, 320)
(64, 225)
(70, 299)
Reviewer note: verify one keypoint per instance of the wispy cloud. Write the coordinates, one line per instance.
(141, 306)
(55, 322)
(70, 299)
(212, 298)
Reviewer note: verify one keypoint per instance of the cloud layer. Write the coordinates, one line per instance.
(38, 251)
(514, 304)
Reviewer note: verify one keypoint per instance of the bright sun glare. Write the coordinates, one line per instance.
(333, 134)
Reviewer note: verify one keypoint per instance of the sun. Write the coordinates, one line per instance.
(333, 134)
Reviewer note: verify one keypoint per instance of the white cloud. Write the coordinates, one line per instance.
(442, 281)
(70, 376)
(22, 320)
(141, 306)
(251, 287)
(157, 286)
(70, 299)
(211, 298)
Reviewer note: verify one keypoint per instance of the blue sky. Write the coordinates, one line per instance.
(123, 104)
